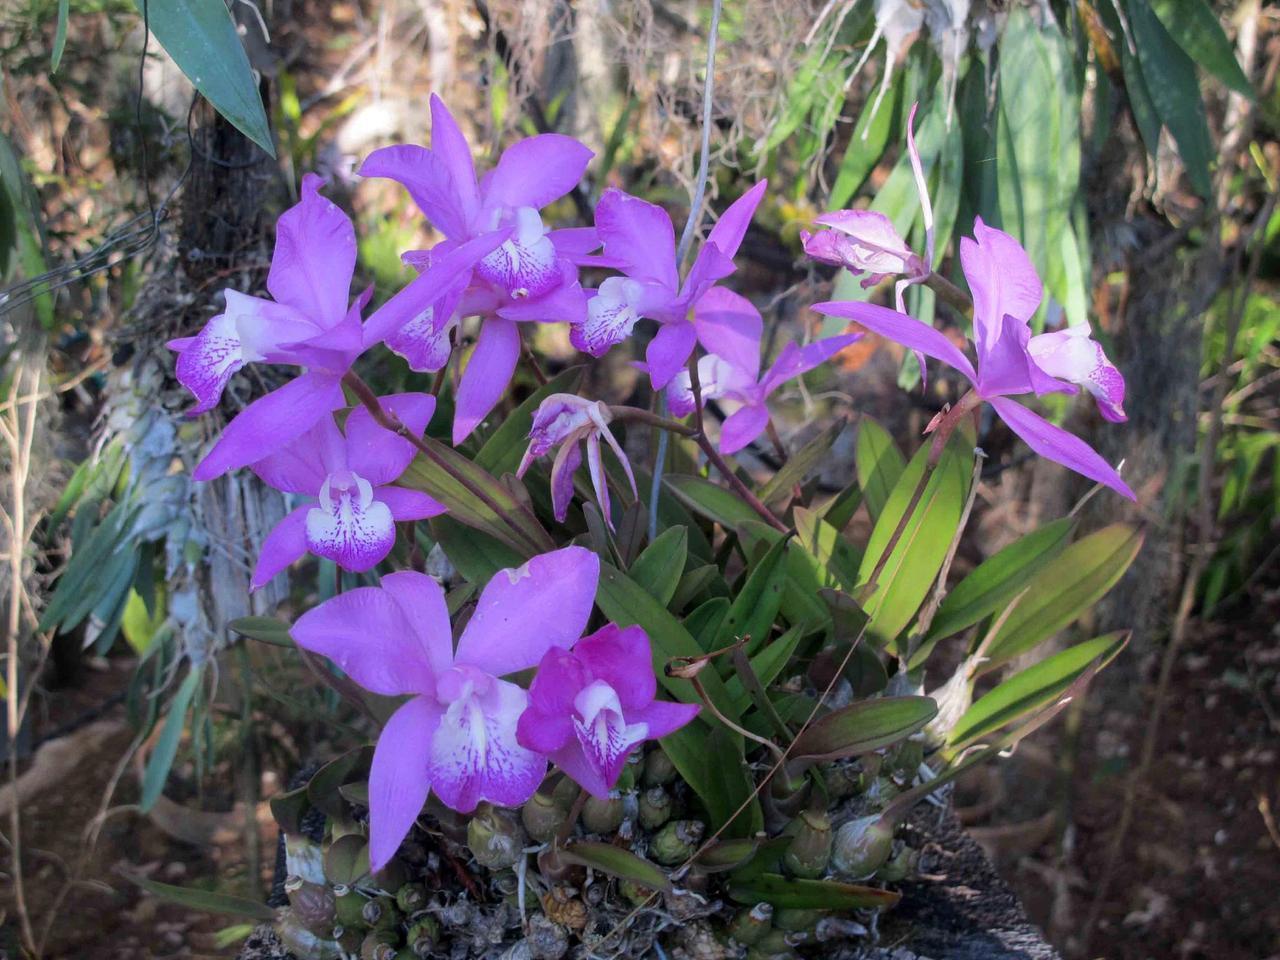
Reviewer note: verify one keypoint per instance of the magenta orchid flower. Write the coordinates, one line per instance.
(638, 237)
(1006, 294)
(456, 736)
(307, 323)
(867, 241)
(591, 706)
(351, 514)
(718, 378)
(564, 420)
(514, 268)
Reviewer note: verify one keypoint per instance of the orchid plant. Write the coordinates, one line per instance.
(741, 696)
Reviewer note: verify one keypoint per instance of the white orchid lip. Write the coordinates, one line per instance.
(349, 526)
(602, 730)
(525, 265)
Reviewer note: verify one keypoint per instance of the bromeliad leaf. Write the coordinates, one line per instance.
(617, 862)
(863, 727)
(1034, 688)
(1064, 589)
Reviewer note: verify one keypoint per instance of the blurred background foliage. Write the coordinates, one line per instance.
(1130, 145)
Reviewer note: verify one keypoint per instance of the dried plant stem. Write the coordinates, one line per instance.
(941, 434)
(388, 420)
(949, 293)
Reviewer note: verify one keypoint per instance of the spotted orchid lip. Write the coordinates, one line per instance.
(349, 526)
(526, 265)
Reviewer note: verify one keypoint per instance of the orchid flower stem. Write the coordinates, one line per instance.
(776, 439)
(566, 828)
(390, 421)
(941, 434)
(640, 415)
(532, 361)
(949, 293)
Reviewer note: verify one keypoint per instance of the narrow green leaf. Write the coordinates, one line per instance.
(263, 629)
(994, 583)
(694, 583)
(1197, 30)
(166, 749)
(208, 901)
(910, 570)
(727, 855)
(714, 767)
(322, 789)
(201, 37)
(839, 510)
(1063, 590)
(709, 500)
(505, 447)
(766, 665)
(60, 34)
(660, 566)
(863, 727)
(879, 464)
(835, 557)
(476, 556)
(617, 862)
(756, 607)
(779, 488)
(138, 624)
(793, 893)
(866, 146)
(705, 621)
(1034, 688)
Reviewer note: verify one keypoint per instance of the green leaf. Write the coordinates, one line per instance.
(910, 570)
(617, 862)
(793, 893)
(208, 901)
(661, 565)
(694, 583)
(1175, 92)
(1063, 590)
(161, 759)
(766, 665)
(995, 582)
(727, 855)
(140, 625)
(201, 37)
(625, 602)
(1144, 111)
(1197, 30)
(780, 486)
(1034, 688)
(879, 464)
(476, 556)
(476, 498)
(263, 629)
(709, 500)
(866, 146)
(704, 622)
(836, 560)
(60, 34)
(715, 769)
(863, 727)
(323, 788)
(505, 447)
(839, 510)
(756, 607)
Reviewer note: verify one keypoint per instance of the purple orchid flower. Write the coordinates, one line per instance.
(1006, 294)
(867, 241)
(457, 735)
(639, 238)
(518, 270)
(351, 516)
(565, 420)
(589, 707)
(718, 378)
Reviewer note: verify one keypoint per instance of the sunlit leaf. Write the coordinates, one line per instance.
(878, 463)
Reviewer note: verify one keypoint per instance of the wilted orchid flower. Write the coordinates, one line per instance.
(867, 241)
(639, 238)
(589, 707)
(564, 420)
(516, 269)
(1006, 294)
(457, 735)
(351, 519)
(718, 378)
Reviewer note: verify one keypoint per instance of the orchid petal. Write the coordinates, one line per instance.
(315, 257)
(448, 143)
(207, 361)
(378, 454)
(1008, 367)
(526, 264)
(535, 171)
(730, 229)
(610, 316)
(902, 329)
(406, 504)
(564, 303)
(524, 612)
(742, 426)
(709, 267)
(270, 421)
(422, 604)
(563, 468)
(474, 754)
(599, 479)
(668, 352)
(605, 736)
(576, 244)
(573, 761)
(285, 543)
(640, 236)
(796, 360)
(1003, 282)
(486, 376)
(1054, 443)
(349, 526)
(1071, 354)
(546, 725)
(399, 779)
(623, 657)
(664, 718)
(430, 183)
(367, 633)
(730, 326)
(301, 465)
(424, 341)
